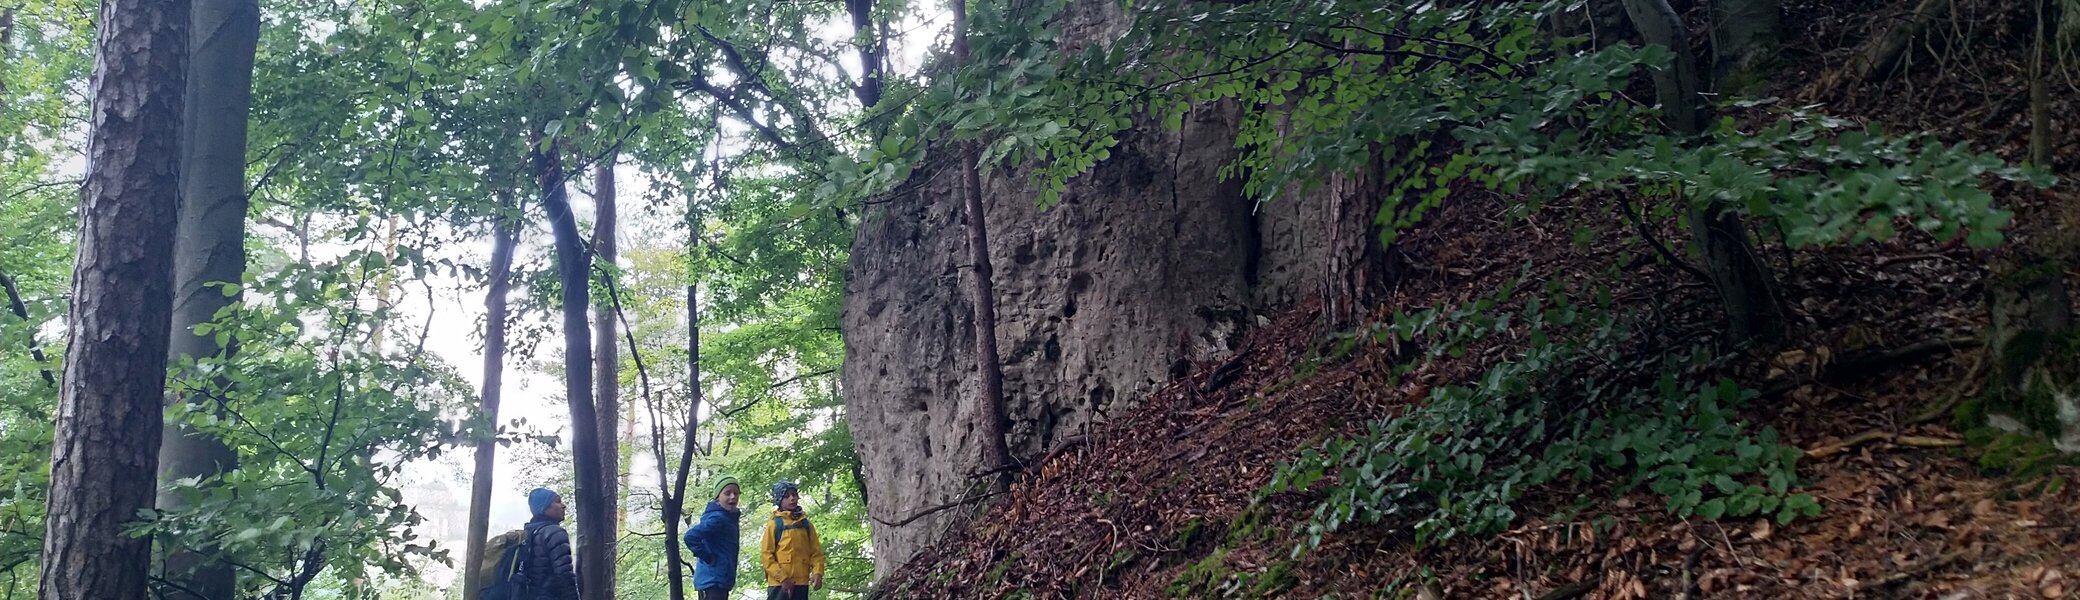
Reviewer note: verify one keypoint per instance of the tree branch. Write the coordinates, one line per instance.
(776, 385)
(1659, 248)
(744, 113)
(940, 508)
(14, 303)
(44, 185)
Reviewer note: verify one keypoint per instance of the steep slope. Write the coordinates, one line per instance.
(1159, 501)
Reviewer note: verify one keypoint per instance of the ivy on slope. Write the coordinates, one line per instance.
(1572, 403)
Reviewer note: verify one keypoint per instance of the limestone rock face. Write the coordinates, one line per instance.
(1148, 263)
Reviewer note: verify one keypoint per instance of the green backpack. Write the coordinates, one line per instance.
(501, 574)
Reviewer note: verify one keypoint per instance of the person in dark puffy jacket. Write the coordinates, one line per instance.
(550, 574)
(713, 541)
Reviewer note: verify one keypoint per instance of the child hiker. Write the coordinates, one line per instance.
(793, 556)
(713, 542)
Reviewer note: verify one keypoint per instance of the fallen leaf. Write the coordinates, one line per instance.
(1762, 530)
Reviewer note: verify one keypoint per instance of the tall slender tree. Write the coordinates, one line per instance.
(105, 447)
(674, 509)
(573, 266)
(982, 289)
(209, 257)
(606, 357)
(498, 285)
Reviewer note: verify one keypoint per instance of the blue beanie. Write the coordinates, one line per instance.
(781, 488)
(539, 499)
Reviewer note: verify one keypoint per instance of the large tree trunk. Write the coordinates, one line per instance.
(495, 314)
(573, 265)
(209, 252)
(105, 448)
(606, 357)
(1746, 287)
(994, 423)
(1745, 37)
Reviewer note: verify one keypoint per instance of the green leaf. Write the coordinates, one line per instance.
(1712, 509)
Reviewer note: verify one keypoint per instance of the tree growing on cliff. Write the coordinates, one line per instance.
(982, 295)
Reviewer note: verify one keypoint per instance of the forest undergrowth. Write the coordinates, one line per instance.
(1830, 466)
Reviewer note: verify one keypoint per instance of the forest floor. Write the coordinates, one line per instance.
(1883, 343)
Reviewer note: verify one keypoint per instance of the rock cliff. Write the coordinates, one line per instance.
(1149, 263)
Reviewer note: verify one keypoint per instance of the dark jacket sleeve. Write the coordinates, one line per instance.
(561, 582)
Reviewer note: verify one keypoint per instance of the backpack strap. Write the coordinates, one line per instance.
(780, 526)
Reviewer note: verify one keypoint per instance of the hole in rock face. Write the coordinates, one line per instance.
(1100, 395)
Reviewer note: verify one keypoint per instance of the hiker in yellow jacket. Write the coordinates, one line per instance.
(793, 555)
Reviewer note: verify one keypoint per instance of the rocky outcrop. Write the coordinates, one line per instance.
(1148, 263)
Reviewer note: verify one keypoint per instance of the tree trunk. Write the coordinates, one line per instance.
(994, 422)
(2035, 384)
(1745, 37)
(1882, 55)
(1746, 287)
(2039, 92)
(1675, 87)
(607, 355)
(105, 447)
(573, 265)
(209, 252)
(871, 49)
(20, 309)
(675, 498)
(495, 314)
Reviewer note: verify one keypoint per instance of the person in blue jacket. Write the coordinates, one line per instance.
(548, 567)
(713, 542)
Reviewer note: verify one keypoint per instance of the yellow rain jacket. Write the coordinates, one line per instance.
(791, 550)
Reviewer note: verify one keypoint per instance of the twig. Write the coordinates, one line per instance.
(47, 184)
(1659, 248)
(732, 412)
(937, 509)
(1892, 260)
(1956, 395)
(1856, 363)
(1573, 589)
(1913, 441)
(164, 582)
(269, 174)
(1911, 572)
(1690, 570)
